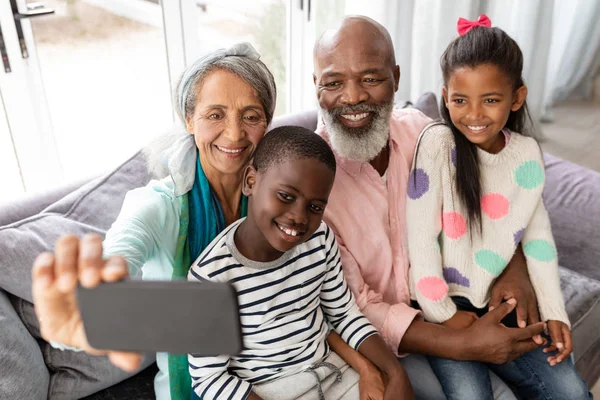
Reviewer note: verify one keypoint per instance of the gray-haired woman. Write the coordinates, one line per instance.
(226, 100)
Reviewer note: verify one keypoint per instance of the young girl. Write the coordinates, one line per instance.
(475, 194)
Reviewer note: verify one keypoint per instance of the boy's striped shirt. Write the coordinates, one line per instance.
(284, 309)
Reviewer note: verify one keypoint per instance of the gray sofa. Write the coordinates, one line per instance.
(572, 196)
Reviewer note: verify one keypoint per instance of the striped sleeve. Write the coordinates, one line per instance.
(210, 377)
(337, 301)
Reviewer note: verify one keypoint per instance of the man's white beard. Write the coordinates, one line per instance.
(359, 144)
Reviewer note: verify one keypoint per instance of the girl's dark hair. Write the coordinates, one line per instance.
(480, 46)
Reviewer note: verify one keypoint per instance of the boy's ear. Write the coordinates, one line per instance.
(445, 95)
(519, 98)
(249, 180)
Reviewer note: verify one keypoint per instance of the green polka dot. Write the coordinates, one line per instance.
(490, 261)
(529, 175)
(541, 250)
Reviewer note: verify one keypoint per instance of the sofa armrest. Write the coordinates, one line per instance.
(33, 203)
(572, 198)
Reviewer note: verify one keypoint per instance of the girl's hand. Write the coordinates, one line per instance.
(461, 320)
(54, 279)
(561, 342)
(371, 383)
(398, 386)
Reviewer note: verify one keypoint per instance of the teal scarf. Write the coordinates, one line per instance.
(200, 207)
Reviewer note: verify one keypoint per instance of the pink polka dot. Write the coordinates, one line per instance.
(454, 225)
(432, 287)
(494, 205)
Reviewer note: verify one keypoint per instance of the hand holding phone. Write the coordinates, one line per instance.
(155, 316)
(54, 279)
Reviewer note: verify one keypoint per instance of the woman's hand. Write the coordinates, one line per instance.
(461, 320)
(514, 283)
(561, 342)
(371, 383)
(55, 277)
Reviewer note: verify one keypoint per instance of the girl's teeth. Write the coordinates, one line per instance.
(476, 128)
(230, 151)
(356, 117)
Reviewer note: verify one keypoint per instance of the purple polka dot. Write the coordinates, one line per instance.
(418, 183)
(452, 275)
(453, 156)
(518, 235)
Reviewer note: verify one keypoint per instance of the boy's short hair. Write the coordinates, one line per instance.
(287, 143)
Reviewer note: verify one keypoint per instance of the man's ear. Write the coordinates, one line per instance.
(314, 79)
(249, 180)
(445, 95)
(396, 78)
(519, 98)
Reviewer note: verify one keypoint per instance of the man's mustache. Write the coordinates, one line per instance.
(357, 108)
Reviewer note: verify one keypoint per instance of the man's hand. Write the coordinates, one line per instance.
(55, 277)
(461, 320)
(561, 342)
(371, 383)
(398, 386)
(515, 283)
(487, 340)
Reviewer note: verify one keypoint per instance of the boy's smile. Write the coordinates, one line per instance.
(285, 207)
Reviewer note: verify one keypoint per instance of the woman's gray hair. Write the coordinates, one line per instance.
(241, 59)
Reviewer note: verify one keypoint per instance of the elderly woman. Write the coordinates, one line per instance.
(226, 100)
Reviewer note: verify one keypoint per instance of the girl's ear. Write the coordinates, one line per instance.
(445, 95)
(249, 180)
(519, 98)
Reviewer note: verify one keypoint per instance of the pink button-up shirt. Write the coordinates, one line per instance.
(367, 215)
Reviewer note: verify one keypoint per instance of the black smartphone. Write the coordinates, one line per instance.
(151, 316)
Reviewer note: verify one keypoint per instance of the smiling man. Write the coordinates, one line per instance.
(356, 76)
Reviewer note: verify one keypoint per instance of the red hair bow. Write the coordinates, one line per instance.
(464, 25)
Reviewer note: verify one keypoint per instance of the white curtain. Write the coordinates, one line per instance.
(560, 41)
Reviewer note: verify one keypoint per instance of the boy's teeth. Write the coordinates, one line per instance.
(230, 151)
(355, 117)
(288, 231)
(476, 128)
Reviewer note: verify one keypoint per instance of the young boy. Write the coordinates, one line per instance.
(285, 265)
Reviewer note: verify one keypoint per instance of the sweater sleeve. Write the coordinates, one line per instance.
(424, 224)
(542, 265)
(337, 301)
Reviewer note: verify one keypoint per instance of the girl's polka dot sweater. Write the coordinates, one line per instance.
(447, 257)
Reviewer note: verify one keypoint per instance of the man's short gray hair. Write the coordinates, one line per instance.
(240, 59)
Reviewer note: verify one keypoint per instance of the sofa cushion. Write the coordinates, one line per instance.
(582, 301)
(572, 198)
(31, 204)
(91, 208)
(427, 104)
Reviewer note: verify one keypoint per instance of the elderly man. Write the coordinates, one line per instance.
(356, 76)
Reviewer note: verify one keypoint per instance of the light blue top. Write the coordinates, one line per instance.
(145, 234)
